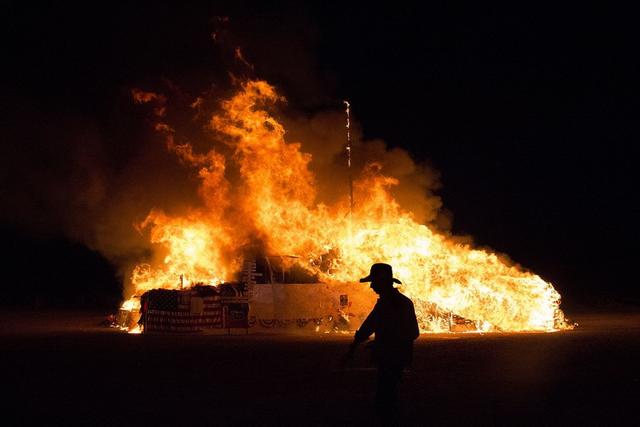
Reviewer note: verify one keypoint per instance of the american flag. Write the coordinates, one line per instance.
(182, 311)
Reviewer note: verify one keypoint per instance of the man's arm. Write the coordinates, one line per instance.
(416, 328)
(367, 328)
(412, 327)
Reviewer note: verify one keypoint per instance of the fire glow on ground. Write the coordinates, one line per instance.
(73, 371)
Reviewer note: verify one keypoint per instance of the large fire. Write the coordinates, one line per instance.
(274, 202)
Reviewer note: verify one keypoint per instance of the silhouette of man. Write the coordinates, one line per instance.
(393, 320)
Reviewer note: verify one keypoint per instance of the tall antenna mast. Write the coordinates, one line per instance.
(348, 111)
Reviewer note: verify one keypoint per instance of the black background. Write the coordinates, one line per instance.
(527, 112)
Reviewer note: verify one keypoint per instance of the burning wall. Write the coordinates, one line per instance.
(259, 190)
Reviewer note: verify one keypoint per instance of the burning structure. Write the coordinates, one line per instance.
(259, 198)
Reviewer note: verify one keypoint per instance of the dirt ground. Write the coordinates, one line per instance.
(62, 368)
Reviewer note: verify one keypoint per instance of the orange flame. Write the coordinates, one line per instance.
(276, 202)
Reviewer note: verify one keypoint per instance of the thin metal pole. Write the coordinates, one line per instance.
(348, 111)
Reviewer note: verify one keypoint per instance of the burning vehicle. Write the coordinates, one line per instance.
(268, 297)
(256, 189)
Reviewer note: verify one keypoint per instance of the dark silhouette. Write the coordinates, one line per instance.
(393, 320)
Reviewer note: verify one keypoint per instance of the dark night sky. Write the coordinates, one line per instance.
(528, 113)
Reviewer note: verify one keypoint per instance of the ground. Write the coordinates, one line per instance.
(62, 368)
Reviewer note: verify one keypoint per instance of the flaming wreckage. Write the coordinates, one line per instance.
(202, 280)
(269, 297)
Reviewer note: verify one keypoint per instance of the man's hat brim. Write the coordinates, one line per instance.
(370, 279)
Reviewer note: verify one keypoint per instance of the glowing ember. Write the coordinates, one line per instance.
(275, 203)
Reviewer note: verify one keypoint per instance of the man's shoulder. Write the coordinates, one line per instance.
(404, 298)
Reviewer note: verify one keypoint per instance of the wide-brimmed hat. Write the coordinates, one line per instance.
(380, 272)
